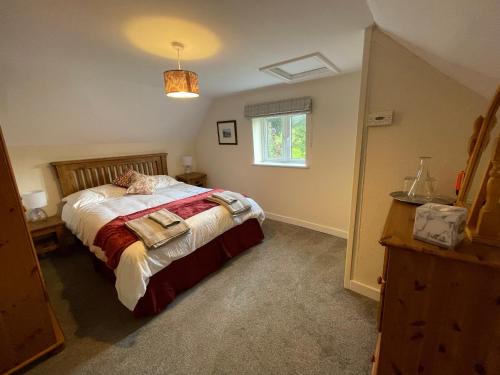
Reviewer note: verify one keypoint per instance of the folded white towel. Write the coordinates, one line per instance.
(165, 218)
(238, 205)
(225, 197)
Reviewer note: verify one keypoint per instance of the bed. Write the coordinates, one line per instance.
(147, 281)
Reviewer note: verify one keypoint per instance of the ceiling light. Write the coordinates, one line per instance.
(302, 68)
(180, 83)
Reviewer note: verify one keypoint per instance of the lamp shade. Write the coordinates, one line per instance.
(35, 199)
(181, 84)
(187, 161)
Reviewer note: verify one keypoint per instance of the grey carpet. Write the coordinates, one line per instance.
(279, 308)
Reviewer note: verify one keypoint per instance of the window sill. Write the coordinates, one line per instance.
(281, 165)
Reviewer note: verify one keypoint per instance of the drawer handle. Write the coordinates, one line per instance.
(380, 280)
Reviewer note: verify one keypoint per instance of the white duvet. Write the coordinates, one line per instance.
(137, 264)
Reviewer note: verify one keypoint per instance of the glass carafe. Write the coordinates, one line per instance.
(423, 186)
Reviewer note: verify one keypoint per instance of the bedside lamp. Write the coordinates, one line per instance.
(34, 201)
(187, 162)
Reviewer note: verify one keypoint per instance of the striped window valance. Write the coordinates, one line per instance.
(280, 107)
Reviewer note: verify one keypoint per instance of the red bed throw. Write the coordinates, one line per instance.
(114, 237)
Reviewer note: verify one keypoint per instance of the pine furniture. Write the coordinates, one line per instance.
(28, 327)
(47, 234)
(76, 175)
(483, 171)
(439, 309)
(193, 178)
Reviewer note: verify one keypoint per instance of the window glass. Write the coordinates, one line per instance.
(280, 139)
(274, 135)
(298, 134)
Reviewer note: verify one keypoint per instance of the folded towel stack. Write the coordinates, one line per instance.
(235, 203)
(165, 218)
(158, 228)
(225, 196)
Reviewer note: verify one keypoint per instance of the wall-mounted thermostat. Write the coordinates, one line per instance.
(380, 118)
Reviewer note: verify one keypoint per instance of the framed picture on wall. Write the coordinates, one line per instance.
(226, 131)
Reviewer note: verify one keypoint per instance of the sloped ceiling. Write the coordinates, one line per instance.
(91, 71)
(461, 38)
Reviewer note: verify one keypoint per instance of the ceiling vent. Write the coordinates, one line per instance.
(311, 66)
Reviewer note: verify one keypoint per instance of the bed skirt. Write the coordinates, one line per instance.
(186, 272)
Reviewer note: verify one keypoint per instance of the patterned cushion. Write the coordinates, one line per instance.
(142, 184)
(126, 179)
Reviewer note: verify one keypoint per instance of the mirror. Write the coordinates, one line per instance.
(480, 190)
(481, 143)
(482, 165)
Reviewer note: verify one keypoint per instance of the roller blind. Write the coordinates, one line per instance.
(280, 107)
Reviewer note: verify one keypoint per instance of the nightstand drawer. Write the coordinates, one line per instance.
(45, 243)
(193, 178)
(46, 231)
(198, 182)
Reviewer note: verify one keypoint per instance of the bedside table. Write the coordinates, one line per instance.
(47, 234)
(193, 178)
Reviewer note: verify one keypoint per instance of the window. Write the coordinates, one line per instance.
(280, 140)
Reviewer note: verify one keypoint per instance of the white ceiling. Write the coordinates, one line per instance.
(251, 34)
(459, 37)
(79, 72)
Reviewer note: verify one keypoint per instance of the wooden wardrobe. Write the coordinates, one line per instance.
(28, 327)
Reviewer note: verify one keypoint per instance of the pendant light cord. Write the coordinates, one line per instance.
(179, 58)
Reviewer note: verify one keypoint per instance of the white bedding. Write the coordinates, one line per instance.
(137, 264)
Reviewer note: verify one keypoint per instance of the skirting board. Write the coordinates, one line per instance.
(309, 225)
(365, 290)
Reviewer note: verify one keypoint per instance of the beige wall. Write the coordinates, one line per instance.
(61, 100)
(317, 197)
(32, 169)
(68, 107)
(433, 116)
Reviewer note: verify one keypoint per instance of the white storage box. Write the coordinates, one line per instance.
(439, 224)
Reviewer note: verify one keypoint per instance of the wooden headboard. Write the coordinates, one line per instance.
(76, 175)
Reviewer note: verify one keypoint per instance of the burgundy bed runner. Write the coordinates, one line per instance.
(114, 237)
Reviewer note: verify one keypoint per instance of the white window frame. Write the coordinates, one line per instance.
(260, 143)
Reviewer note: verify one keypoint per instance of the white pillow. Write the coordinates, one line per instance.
(82, 198)
(109, 191)
(163, 181)
(93, 195)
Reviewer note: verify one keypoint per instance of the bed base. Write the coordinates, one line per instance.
(186, 272)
